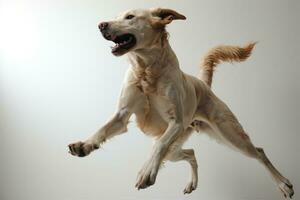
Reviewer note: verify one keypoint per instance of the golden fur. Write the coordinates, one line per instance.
(169, 104)
(222, 53)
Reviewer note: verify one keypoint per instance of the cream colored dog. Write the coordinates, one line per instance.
(169, 104)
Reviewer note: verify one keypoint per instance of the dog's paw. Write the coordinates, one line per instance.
(146, 177)
(82, 149)
(287, 189)
(190, 187)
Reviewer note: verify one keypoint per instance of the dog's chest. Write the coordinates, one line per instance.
(146, 78)
(153, 119)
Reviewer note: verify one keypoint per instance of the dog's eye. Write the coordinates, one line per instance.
(129, 17)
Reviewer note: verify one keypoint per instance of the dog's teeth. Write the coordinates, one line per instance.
(115, 47)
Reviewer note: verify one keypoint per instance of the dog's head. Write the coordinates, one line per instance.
(138, 29)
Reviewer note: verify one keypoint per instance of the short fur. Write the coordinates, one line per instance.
(170, 105)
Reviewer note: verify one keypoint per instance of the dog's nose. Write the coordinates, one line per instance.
(102, 26)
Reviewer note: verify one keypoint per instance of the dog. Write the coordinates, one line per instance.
(170, 105)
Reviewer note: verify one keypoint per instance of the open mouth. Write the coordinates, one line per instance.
(123, 44)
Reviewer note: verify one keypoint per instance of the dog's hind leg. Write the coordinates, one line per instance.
(283, 183)
(189, 156)
(176, 153)
(227, 126)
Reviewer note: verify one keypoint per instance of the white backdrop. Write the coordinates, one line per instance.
(54, 70)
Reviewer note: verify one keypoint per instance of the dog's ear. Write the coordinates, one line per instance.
(162, 17)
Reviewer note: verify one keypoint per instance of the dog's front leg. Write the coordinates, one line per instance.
(147, 175)
(115, 126)
(131, 99)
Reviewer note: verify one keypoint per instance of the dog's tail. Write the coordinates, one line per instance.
(223, 53)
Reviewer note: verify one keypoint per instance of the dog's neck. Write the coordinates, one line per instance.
(159, 56)
(150, 64)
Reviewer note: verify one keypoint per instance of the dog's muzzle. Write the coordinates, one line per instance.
(123, 42)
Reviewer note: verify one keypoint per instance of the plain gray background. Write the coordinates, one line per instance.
(59, 83)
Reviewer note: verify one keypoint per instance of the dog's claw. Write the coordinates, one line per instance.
(81, 149)
(190, 187)
(287, 189)
(146, 177)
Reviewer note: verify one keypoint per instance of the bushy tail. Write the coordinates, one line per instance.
(222, 53)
